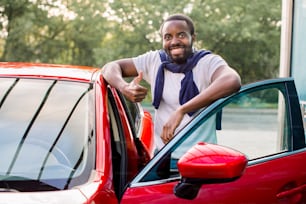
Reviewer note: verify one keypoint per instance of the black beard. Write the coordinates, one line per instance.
(181, 60)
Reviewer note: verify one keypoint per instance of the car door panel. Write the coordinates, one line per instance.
(268, 130)
(267, 182)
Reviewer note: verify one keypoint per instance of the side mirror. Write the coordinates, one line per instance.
(208, 163)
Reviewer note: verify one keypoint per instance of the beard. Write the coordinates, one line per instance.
(179, 53)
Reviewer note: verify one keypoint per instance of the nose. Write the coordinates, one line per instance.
(175, 41)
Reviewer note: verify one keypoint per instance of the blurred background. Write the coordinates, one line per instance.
(93, 32)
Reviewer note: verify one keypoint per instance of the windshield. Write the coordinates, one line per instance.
(46, 132)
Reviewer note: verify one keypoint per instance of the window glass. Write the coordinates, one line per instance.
(297, 57)
(46, 130)
(134, 113)
(298, 62)
(120, 159)
(254, 123)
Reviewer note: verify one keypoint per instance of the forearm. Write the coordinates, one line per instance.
(222, 86)
(113, 75)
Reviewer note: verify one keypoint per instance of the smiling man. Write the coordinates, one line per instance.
(183, 79)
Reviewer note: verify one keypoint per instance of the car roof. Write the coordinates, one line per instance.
(48, 71)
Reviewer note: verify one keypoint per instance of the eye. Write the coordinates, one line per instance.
(182, 35)
(167, 37)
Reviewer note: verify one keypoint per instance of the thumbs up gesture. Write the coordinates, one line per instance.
(136, 81)
(134, 91)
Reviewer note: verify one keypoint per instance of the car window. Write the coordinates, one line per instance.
(47, 131)
(123, 116)
(134, 112)
(254, 122)
(128, 153)
(303, 109)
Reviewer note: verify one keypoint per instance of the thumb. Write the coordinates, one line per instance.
(137, 79)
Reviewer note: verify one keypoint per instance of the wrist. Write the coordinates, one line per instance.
(122, 87)
(182, 110)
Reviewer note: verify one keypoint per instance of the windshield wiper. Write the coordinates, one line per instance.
(29, 127)
(7, 93)
(23, 184)
(8, 190)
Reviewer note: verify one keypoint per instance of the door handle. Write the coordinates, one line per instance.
(292, 194)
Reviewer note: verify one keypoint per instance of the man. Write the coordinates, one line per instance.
(183, 80)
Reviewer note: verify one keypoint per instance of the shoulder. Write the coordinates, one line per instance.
(212, 60)
(152, 54)
(207, 66)
(147, 60)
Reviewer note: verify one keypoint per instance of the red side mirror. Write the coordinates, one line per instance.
(209, 161)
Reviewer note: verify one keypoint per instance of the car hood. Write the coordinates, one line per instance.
(73, 196)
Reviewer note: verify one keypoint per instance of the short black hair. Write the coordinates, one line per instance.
(180, 17)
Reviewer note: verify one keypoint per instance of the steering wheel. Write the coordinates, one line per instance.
(56, 152)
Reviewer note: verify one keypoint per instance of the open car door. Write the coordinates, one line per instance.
(259, 156)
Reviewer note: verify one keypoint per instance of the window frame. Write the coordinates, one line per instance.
(296, 137)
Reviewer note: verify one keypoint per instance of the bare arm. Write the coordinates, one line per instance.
(114, 73)
(225, 81)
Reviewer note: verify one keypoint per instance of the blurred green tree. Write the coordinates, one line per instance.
(93, 32)
(51, 31)
(245, 33)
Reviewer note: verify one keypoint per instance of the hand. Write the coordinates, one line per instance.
(134, 91)
(170, 126)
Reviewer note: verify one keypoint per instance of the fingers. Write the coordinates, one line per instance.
(141, 91)
(171, 125)
(138, 97)
(136, 92)
(166, 138)
(136, 81)
(167, 134)
(138, 78)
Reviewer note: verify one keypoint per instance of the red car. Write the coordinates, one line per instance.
(67, 137)
(259, 156)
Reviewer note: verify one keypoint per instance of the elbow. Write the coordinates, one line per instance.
(237, 83)
(110, 69)
(234, 82)
(228, 79)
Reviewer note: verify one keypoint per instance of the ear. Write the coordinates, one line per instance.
(193, 37)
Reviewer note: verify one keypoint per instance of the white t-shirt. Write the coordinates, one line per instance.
(149, 63)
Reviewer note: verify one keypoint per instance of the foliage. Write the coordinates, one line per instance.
(93, 32)
(45, 31)
(246, 34)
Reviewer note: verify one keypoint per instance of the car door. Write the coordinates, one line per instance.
(129, 124)
(262, 121)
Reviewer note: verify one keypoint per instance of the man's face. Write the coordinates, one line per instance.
(177, 40)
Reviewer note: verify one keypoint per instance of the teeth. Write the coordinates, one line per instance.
(175, 48)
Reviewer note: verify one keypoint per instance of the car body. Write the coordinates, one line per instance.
(258, 157)
(65, 135)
